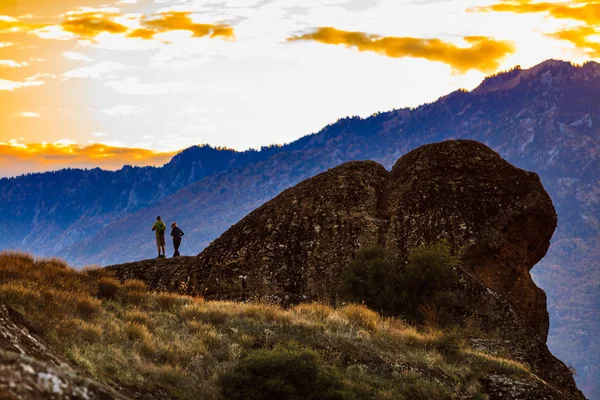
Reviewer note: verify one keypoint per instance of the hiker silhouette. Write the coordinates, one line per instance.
(159, 228)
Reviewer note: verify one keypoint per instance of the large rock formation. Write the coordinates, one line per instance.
(293, 248)
(497, 218)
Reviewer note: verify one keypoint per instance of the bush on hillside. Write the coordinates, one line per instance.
(372, 279)
(382, 282)
(283, 372)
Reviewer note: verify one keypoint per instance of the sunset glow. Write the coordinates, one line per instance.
(112, 77)
(17, 157)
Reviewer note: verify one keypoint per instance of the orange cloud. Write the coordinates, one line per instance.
(579, 37)
(142, 33)
(587, 12)
(173, 21)
(9, 24)
(484, 54)
(91, 24)
(19, 158)
(583, 11)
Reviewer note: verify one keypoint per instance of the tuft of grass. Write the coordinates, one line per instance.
(136, 332)
(83, 331)
(431, 319)
(136, 317)
(171, 301)
(316, 312)
(108, 287)
(135, 292)
(360, 316)
(135, 285)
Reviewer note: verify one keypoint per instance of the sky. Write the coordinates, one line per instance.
(86, 83)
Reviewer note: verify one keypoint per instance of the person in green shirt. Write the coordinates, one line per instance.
(159, 228)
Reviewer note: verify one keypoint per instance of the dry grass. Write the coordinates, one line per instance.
(148, 342)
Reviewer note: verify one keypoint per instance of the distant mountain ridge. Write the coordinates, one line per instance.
(545, 119)
(54, 210)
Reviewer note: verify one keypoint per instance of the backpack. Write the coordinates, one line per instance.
(160, 228)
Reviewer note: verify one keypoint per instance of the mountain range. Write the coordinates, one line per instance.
(544, 119)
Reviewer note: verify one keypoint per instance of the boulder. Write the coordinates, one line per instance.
(497, 217)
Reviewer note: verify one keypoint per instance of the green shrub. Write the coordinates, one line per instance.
(372, 279)
(283, 373)
(382, 282)
(427, 279)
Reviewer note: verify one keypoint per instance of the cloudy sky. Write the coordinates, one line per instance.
(113, 82)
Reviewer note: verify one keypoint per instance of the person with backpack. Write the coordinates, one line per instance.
(159, 227)
(177, 234)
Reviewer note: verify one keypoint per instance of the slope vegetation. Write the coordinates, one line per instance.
(163, 345)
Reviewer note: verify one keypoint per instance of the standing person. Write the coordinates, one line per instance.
(159, 227)
(177, 234)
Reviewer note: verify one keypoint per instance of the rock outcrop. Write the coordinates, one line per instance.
(25, 378)
(15, 336)
(511, 337)
(293, 248)
(497, 218)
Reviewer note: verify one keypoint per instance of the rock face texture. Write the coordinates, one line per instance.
(16, 337)
(299, 243)
(513, 338)
(25, 378)
(497, 218)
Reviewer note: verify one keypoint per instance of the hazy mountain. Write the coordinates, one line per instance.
(545, 119)
(48, 212)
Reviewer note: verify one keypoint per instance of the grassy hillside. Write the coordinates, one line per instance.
(183, 347)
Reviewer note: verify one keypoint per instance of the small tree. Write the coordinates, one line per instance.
(371, 279)
(427, 280)
(382, 282)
